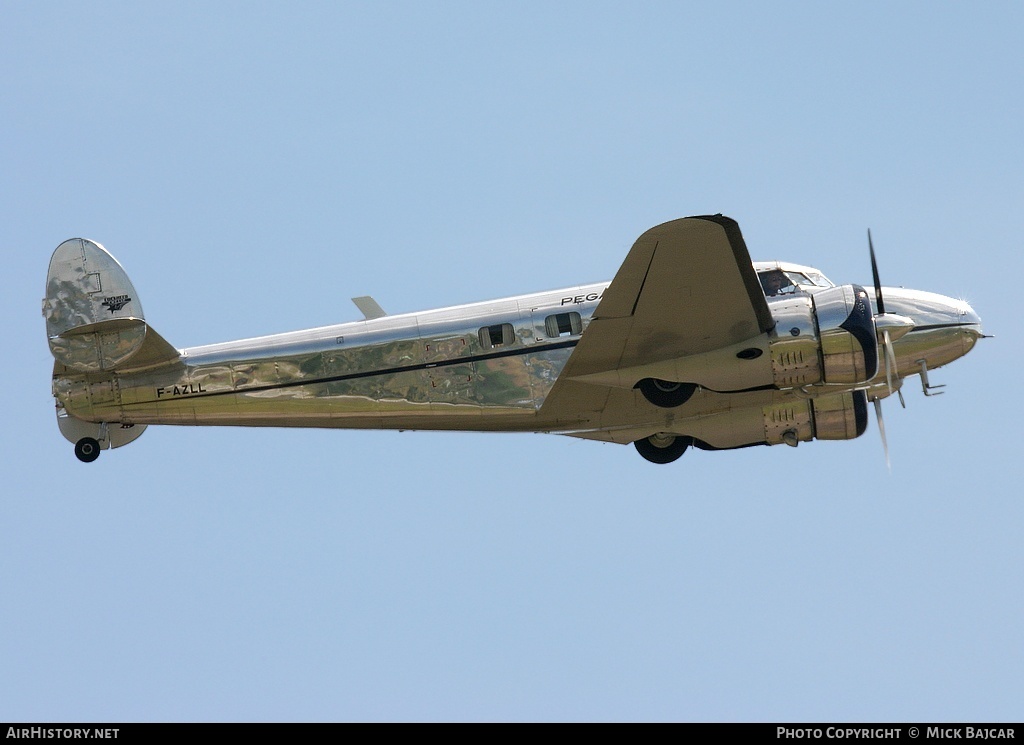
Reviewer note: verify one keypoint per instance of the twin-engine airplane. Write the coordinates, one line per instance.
(689, 344)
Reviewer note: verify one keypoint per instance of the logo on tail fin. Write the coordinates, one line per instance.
(116, 303)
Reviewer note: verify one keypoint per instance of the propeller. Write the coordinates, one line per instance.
(888, 328)
(874, 273)
(881, 432)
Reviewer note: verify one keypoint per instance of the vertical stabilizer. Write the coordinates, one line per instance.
(94, 319)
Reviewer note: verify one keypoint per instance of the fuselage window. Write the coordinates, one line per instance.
(563, 324)
(498, 335)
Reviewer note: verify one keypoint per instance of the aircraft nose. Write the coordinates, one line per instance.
(964, 315)
(968, 315)
(969, 322)
(931, 310)
(945, 328)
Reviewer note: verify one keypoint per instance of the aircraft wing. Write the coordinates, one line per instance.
(686, 290)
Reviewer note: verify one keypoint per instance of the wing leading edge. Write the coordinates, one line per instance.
(683, 303)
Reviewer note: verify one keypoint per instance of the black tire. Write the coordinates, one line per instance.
(657, 453)
(87, 450)
(665, 393)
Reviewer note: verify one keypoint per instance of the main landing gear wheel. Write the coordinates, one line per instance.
(663, 448)
(87, 449)
(664, 393)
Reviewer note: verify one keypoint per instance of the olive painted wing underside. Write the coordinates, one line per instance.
(686, 289)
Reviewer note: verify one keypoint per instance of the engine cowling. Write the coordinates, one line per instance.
(846, 325)
(837, 416)
(827, 337)
(842, 416)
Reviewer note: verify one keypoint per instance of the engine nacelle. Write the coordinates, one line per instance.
(842, 416)
(849, 346)
(837, 416)
(827, 337)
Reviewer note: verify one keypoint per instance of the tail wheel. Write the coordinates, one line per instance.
(662, 448)
(87, 449)
(665, 393)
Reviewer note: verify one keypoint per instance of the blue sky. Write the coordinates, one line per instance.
(253, 166)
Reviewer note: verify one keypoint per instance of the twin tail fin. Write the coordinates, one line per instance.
(95, 327)
(94, 319)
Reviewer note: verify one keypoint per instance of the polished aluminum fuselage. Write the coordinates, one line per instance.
(426, 370)
(437, 370)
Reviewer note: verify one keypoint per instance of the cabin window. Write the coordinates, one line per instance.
(498, 335)
(563, 324)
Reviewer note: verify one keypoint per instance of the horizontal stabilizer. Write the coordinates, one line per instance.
(155, 350)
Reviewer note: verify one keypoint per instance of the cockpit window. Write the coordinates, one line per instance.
(775, 282)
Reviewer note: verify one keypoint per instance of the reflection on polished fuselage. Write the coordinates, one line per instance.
(440, 369)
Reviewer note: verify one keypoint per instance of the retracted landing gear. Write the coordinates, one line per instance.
(87, 449)
(664, 393)
(663, 448)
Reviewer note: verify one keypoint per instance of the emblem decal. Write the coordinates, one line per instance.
(116, 302)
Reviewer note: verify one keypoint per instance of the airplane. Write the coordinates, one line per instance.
(690, 344)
